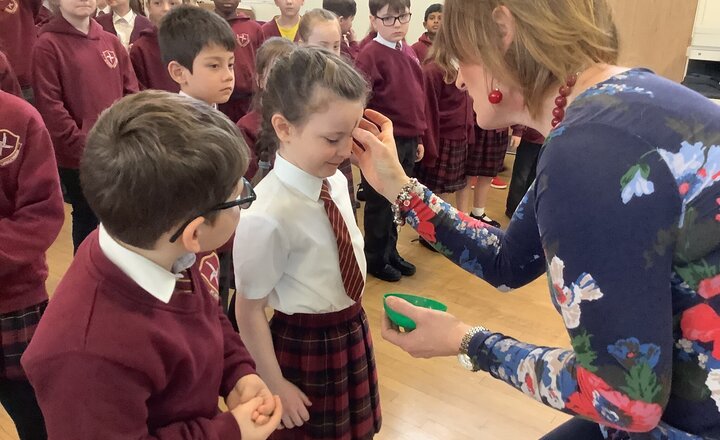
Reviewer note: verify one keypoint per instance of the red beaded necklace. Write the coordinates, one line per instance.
(561, 100)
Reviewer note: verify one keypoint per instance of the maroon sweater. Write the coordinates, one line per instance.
(76, 77)
(270, 29)
(141, 24)
(110, 361)
(350, 49)
(8, 80)
(396, 79)
(449, 113)
(249, 126)
(367, 40)
(18, 34)
(31, 206)
(147, 63)
(249, 38)
(422, 47)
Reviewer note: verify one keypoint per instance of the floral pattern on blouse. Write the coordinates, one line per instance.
(624, 218)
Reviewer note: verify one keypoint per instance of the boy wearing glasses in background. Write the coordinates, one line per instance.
(134, 343)
(394, 73)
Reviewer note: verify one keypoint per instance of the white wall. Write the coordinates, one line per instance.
(265, 10)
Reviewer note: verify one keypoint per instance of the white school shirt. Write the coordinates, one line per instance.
(154, 279)
(285, 248)
(387, 43)
(124, 25)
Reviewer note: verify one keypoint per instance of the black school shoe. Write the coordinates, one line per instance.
(487, 220)
(405, 268)
(385, 273)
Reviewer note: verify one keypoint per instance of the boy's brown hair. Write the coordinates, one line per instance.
(156, 159)
(395, 6)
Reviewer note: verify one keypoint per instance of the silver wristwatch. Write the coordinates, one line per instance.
(464, 359)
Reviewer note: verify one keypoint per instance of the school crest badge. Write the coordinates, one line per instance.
(210, 273)
(9, 6)
(9, 147)
(242, 39)
(110, 58)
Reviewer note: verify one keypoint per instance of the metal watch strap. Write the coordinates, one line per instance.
(465, 344)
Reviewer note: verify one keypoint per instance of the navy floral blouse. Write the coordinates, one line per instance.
(624, 217)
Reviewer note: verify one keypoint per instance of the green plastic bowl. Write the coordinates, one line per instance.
(420, 301)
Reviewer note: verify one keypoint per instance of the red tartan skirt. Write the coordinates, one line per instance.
(330, 358)
(487, 154)
(16, 330)
(448, 175)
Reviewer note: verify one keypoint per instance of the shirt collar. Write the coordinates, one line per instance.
(387, 43)
(298, 179)
(105, 10)
(154, 279)
(129, 17)
(181, 93)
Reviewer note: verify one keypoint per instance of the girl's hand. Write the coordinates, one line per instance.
(376, 154)
(295, 404)
(437, 333)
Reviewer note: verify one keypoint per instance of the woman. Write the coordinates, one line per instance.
(624, 215)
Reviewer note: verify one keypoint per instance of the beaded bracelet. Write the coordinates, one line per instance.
(403, 199)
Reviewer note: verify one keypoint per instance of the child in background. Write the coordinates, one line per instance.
(198, 47)
(79, 70)
(528, 143)
(431, 23)
(396, 79)
(124, 22)
(31, 215)
(307, 261)
(286, 24)
(148, 351)
(485, 159)
(250, 124)
(102, 8)
(145, 53)
(249, 37)
(17, 38)
(345, 11)
(8, 80)
(321, 28)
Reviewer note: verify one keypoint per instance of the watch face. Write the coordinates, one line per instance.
(466, 362)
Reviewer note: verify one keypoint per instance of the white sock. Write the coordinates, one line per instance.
(478, 212)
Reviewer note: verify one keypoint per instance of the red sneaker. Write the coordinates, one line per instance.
(498, 183)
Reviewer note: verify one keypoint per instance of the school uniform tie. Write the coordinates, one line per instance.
(184, 285)
(398, 46)
(349, 267)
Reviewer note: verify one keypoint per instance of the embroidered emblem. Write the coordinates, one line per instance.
(9, 147)
(242, 39)
(10, 6)
(110, 58)
(210, 272)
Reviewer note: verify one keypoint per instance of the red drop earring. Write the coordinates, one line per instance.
(495, 97)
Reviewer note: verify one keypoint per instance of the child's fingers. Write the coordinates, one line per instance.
(305, 399)
(262, 420)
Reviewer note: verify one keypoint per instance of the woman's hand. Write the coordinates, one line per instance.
(437, 333)
(376, 155)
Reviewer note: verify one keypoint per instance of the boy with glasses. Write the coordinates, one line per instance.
(134, 343)
(394, 73)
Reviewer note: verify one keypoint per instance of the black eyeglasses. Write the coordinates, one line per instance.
(244, 201)
(391, 19)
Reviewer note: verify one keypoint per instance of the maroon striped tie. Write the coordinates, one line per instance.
(349, 267)
(184, 285)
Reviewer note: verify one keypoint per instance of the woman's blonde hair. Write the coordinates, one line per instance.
(553, 40)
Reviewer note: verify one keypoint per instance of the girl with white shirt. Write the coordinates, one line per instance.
(125, 22)
(300, 252)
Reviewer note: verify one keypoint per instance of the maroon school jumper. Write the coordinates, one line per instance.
(148, 65)
(396, 79)
(18, 34)
(43, 17)
(249, 37)
(31, 207)
(141, 24)
(8, 80)
(349, 48)
(76, 77)
(422, 47)
(365, 41)
(110, 361)
(270, 29)
(249, 126)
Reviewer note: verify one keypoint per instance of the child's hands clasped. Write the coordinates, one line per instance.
(246, 389)
(244, 414)
(295, 403)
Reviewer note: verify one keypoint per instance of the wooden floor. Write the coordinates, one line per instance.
(436, 399)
